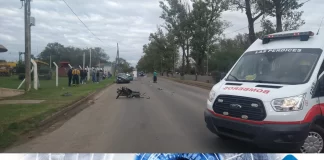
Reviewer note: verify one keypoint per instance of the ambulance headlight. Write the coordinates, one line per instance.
(212, 96)
(294, 103)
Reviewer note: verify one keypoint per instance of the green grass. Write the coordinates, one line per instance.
(10, 82)
(16, 119)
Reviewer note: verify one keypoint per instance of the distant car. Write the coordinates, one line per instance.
(141, 74)
(122, 78)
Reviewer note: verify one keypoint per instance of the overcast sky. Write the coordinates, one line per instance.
(127, 22)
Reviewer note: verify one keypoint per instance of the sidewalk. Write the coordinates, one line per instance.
(192, 83)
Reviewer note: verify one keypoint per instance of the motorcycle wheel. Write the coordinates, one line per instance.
(118, 95)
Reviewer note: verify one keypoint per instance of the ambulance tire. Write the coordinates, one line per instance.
(316, 132)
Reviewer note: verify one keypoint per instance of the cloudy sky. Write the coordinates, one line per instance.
(127, 22)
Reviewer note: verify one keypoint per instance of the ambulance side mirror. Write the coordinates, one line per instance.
(321, 85)
(222, 76)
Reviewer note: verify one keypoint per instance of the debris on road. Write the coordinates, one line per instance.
(91, 102)
(124, 91)
(67, 94)
(160, 89)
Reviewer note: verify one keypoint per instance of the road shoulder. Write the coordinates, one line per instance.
(203, 85)
(20, 131)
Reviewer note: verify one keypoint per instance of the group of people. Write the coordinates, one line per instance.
(97, 75)
(77, 76)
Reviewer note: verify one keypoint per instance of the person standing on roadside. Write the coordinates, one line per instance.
(93, 74)
(154, 76)
(74, 76)
(78, 76)
(69, 74)
(81, 76)
(98, 75)
(84, 76)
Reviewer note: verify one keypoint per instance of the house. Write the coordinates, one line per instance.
(107, 67)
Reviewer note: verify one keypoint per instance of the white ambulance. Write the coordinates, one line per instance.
(274, 94)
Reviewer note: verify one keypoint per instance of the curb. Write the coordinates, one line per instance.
(71, 106)
(202, 85)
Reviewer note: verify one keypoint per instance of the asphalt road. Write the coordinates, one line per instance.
(170, 121)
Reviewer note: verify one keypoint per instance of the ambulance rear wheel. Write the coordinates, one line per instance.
(314, 142)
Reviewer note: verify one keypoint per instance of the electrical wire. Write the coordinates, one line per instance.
(81, 21)
(85, 25)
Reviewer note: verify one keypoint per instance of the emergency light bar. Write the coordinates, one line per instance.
(304, 36)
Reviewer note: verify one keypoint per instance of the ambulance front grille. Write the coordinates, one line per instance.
(240, 107)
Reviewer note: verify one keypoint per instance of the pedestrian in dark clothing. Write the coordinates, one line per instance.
(81, 76)
(78, 77)
(98, 76)
(85, 74)
(93, 74)
(70, 76)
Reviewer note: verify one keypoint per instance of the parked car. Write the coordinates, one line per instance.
(122, 78)
(130, 77)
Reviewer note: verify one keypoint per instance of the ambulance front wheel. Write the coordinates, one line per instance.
(314, 141)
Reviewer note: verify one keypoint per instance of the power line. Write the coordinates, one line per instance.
(82, 21)
(240, 29)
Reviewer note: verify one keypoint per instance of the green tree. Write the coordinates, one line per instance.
(253, 9)
(160, 53)
(177, 21)
(287, 16)
(59, 52)
(206, 28)
(227, 51)
(123, 66)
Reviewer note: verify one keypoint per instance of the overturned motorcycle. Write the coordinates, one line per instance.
(124, 91)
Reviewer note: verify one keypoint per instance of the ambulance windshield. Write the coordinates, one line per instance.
(277, 66)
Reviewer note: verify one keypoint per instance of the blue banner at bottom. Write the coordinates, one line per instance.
(160, 156)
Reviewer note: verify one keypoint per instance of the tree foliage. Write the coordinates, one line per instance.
(195, 31)
(206, 27)
(253, 9)
(59, 52)
(177, 21)
(160, 53)
(123, 66)
(287, 16)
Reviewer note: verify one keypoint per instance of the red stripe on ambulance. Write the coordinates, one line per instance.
(257, 90)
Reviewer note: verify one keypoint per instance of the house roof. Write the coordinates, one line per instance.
(3, 49)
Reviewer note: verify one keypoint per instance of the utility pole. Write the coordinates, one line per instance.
(51, 59)
(83, 66)
(27, 46)
(90, 59)
(117, 60)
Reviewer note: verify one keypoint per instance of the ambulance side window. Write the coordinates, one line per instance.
(321, 69)
(319, 89)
